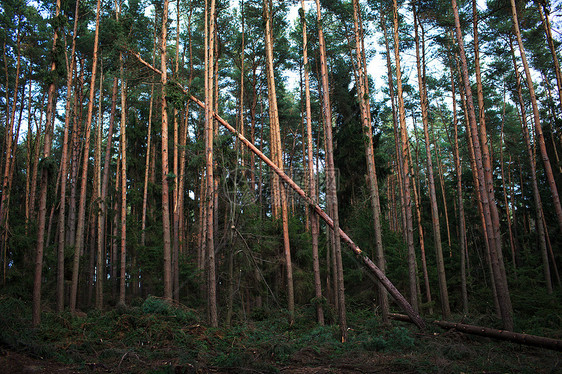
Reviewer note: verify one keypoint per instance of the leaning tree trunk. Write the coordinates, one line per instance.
(537, 120)
(536, 195)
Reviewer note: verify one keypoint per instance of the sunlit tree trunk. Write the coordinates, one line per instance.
(536, 195)
(96, 224)
(38, 275)
(548, 30)
(165, 189)
(485, 191)
(64, 165)
(123, 176)
(364, 103)
(210, 182)
(445, 308)
(462, 224)
(277, 155)
(409, 234)
(537, 120)
(79, 242)
(330, 173)
(176, 192)
(314, 224)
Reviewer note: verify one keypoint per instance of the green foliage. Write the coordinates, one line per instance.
(156, 305)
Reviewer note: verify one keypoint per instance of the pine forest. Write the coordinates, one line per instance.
(280, 186)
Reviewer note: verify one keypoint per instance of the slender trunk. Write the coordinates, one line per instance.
(462, 225)
(311, 179)
(364, 103)
(405, 167)
(210, 180)
(445, 308)
(536, 195)
(546, 24)
(79, 242)
(64, 164)
(537, 121)
(175, 191)
(417, 201)
(165, 189)
(123, 152)
(331, 179)
(488, 203)
(507, 212)
(37, 280)
(277, 155)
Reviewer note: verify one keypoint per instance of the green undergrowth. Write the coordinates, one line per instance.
(160, 336)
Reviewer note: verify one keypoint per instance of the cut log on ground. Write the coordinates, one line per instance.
(515, 337)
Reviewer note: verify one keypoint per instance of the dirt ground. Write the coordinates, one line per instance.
(303, 362)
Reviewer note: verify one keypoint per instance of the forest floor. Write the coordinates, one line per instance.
(160, 337)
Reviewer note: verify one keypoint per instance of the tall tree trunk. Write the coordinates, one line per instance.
(210, 182)
(148, 147)
(536, 195)
(165, 189)
(123, 175)
(488, 203)
(507, 211)
(445, 308)
(38, 276)
(405, 167)
(64, 165)
(311, 179)
(548, 31)
(537, 120)
(277, 155)
(462, 224)
(176, 192)
(364, 103)
(79, 242)
(330, 173)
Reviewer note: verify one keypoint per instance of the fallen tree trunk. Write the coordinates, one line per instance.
(533, 340)
(381, 277)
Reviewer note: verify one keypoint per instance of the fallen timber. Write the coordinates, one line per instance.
(377, 272)
(515, 337)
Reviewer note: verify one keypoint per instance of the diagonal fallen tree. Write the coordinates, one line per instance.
(381, 277)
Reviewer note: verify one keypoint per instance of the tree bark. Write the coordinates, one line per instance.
(537, 120)
(405, 167)
(210, 182)
(331, 191)
(165, 189)
(445, 308)
(277, 155)
(488, 203)
(311, 179)
(37, 280)
(79, 242)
